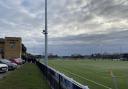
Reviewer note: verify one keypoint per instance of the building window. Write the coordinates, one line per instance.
(12, 45)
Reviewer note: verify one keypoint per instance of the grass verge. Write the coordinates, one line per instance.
(27, 76)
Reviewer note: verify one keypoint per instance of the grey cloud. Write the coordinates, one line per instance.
(108, 8)
(119, 37)
(61, 13)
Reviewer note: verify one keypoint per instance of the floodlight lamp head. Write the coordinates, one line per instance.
(43, 31)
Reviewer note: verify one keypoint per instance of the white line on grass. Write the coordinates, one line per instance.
(89, 80)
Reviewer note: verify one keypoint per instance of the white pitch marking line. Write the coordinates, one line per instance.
(89, 80)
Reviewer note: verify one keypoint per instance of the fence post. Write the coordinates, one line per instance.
(59, 82)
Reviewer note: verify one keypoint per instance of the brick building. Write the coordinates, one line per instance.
(10, 47)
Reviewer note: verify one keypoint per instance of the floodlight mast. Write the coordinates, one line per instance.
(46, 35)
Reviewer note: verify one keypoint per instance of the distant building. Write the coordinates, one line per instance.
(10, 47)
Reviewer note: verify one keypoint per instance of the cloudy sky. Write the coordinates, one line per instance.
(75, 26)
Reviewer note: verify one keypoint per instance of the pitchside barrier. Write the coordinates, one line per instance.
(58, 80)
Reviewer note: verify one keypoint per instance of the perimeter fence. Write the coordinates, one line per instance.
(58, 80)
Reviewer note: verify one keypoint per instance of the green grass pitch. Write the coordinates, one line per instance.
(95, 74)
